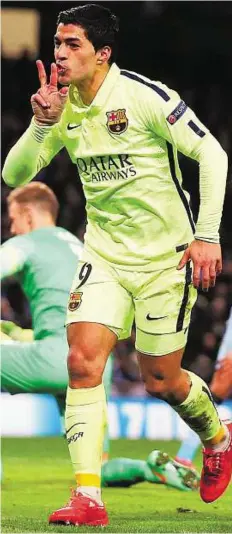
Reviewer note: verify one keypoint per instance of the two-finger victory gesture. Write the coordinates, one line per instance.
(48, 103)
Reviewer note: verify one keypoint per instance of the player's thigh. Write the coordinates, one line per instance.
(163, 310)
(39, 366)
(98, 297)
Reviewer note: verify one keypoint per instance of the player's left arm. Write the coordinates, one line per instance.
(173, 120)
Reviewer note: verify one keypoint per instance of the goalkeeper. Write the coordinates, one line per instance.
(43, 258)
(158, 468)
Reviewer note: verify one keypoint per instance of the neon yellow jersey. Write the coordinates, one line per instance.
(125, 148)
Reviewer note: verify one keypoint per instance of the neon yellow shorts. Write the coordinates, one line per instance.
(160, 303)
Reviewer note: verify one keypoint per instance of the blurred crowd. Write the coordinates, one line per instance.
(211, 100)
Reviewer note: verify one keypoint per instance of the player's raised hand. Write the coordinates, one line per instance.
(207, 262)
(48, 103)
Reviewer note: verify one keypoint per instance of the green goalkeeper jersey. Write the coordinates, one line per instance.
(44, 262)
(125, 148)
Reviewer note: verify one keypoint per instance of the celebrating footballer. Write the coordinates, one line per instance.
(143, 257)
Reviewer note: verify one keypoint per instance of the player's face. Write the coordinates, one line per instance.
(19, 219)
(75, 55)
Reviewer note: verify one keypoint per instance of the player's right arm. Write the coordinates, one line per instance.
(13, 256)
(42, 140)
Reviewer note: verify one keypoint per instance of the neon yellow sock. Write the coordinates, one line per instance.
(199, 410)
(85, 421)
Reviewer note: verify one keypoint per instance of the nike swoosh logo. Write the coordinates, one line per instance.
(149, 318)
(72, 126)
(67, 431)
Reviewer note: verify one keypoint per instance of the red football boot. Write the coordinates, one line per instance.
(80, 510)
(216, 472)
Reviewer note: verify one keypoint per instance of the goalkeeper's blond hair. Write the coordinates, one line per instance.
(36, 193)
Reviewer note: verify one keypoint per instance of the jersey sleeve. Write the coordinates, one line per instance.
(14, 255)
(33, 151)
(169, 117)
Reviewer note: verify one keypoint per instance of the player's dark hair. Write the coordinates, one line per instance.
(36, 193)
(101, 26)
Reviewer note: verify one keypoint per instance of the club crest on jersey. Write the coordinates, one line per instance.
(75, 300)
(117, 121)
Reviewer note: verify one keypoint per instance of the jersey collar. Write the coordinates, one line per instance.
(101, 96)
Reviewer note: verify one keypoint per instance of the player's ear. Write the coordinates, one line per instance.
(103, 55)
(29, 215)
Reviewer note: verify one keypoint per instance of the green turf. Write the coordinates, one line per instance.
(38, 475)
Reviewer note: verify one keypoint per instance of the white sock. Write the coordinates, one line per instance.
(222, 445)
(91, 491)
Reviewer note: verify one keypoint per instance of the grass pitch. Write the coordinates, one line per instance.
(38, 475)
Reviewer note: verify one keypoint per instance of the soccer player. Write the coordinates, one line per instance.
(33, 208)
(38, 256)
(158, 468)
(220, 387)
(142, 254)
(43, 257)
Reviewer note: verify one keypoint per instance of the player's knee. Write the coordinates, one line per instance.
(83, 367)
